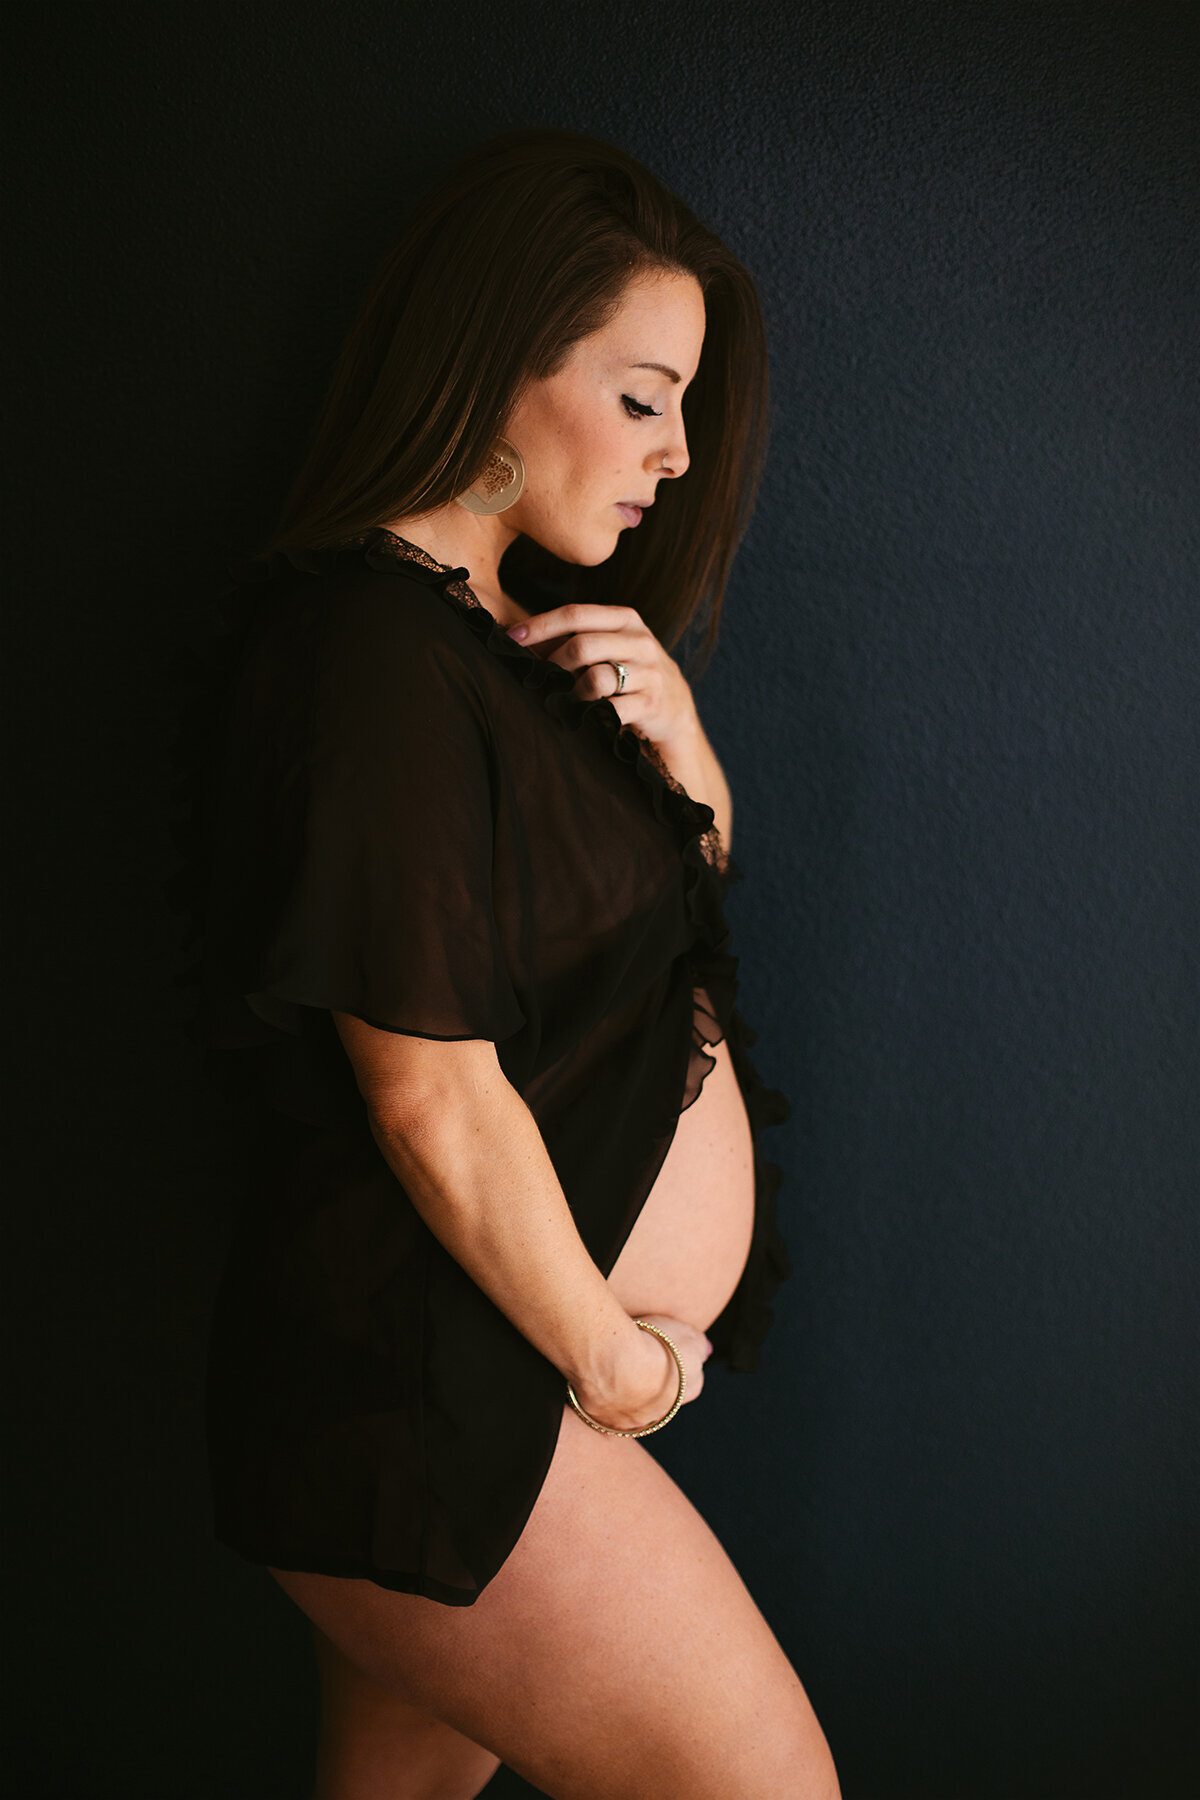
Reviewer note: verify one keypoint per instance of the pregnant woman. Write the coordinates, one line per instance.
(465, 954)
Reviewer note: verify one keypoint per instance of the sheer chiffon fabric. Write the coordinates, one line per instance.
(420, 823)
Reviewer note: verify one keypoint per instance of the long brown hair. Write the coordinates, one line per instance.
(520, 249)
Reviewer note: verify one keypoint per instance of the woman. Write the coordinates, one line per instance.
(465, 949)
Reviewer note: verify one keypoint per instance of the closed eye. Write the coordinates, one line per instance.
(636, 410)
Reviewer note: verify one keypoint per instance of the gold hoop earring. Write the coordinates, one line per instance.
(501, 482)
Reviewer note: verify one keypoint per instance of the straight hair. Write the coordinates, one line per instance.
(520, 249)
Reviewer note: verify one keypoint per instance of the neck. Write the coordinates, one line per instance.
(458, 538)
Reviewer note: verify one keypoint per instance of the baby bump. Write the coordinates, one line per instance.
(690, 1242)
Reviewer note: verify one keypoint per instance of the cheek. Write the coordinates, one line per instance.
(584, 459)
(597, 456)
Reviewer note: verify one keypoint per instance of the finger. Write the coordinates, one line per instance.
(599, 681)
(564, 621)
(627, 706)
(596, 647)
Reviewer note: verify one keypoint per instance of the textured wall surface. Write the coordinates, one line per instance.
(957, 699)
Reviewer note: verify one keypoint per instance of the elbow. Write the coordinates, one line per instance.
(407, 1081)
(435, 1095)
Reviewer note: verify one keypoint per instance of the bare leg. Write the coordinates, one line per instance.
(616, 1655)
(374, 1746)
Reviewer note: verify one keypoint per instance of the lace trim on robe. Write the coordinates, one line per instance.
(712, 846)
(711, 843)
(414, 553)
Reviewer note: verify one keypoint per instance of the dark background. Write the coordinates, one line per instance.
(956, 697)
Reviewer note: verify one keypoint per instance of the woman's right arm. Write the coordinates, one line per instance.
(468, 1151)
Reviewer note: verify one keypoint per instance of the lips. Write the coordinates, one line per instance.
(632, 515)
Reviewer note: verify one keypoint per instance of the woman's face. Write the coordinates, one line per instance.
(596, 434)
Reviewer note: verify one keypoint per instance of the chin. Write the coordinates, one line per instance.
(586, 552)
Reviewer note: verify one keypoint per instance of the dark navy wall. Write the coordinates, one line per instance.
(956, 697)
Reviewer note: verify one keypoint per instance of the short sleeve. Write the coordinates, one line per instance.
(358, 864)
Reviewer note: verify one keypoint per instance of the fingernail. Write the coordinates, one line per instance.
(518, 631)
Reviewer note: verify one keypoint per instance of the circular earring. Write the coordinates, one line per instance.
(501, 482)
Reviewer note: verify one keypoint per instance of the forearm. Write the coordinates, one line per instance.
(693, 762)
(477, 1170)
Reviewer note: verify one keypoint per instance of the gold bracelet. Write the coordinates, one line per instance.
(641, 1430)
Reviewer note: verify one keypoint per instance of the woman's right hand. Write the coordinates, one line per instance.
(649, 1375)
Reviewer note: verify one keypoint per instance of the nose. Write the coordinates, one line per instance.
(671, 452)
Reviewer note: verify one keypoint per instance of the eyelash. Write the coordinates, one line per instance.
(636, 410)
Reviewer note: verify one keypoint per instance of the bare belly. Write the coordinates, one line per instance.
(688, 1248)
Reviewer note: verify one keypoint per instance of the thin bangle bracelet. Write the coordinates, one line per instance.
(641, 1430)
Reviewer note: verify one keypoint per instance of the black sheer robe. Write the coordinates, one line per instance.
(417, 821)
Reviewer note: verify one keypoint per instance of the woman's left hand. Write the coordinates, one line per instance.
(584, 637)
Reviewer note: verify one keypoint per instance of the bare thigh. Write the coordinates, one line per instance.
(374, 1746)
(617, 1653)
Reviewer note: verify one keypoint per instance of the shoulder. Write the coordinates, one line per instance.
(392, 613)
(331, 610)
(393, 661)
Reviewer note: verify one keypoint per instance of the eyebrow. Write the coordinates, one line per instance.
(661, 367)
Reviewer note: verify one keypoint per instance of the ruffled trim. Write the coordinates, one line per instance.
(739, 1330)
(693, 823)
(205, 683)
(706, 1029)
(710, 871)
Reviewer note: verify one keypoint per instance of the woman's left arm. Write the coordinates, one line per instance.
(586, 639)
(693, 762)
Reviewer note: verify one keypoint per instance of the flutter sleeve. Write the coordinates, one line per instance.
(355, 861)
